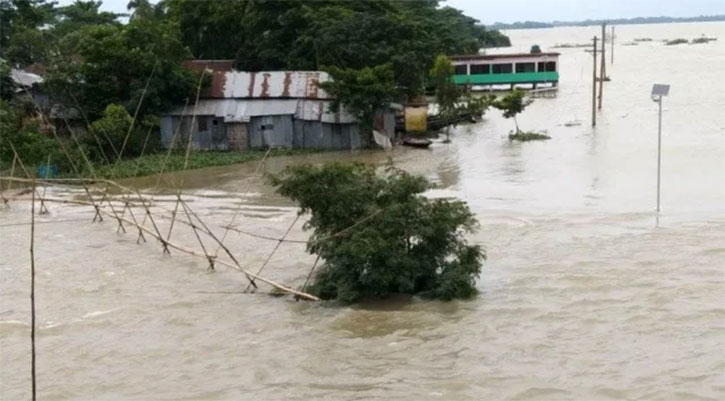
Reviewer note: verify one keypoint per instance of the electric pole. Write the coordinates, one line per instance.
(603, 68)
(594, 85)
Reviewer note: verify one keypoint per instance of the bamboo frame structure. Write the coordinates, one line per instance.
(203, 229)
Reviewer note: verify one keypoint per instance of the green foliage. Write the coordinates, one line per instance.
(379, 235)
(475, 106)
(298, 35)
(107, 135)
(103, 64)
(7, 85)
(513, 104)
(524, 136)
(361, 91)
(21, 39)
(446, 91)
(535, 49)
(33, 147)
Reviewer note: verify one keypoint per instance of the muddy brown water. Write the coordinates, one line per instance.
(586, 295)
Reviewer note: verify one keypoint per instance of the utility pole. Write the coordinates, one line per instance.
(603, 68)
(612, 50)
(594, 85)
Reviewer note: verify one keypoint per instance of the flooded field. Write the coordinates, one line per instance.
(587, 294)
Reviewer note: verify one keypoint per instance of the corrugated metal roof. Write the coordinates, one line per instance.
(503, 56)
(240, 110)
(320, 110)
(23, 78)
(271, 84)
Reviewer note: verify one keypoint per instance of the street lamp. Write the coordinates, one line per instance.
(658, 92)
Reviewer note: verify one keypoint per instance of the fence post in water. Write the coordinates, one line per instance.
(32, 291)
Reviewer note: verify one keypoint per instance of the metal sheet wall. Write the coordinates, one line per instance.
(265, 131)
(214, 137)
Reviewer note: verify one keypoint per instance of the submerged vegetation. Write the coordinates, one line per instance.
(513, 104)
(702, 39)
(378, 235)
(676, 42)
(525, 136)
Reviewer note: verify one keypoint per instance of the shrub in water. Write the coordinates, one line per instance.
(379, 235)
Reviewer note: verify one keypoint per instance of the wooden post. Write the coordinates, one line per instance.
(32, 292)
(12, 171)
(612, 49)
(603, 67)
(594, 85)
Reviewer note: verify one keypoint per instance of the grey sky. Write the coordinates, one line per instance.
(490, 11)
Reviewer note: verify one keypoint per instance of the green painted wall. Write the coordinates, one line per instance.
(526, 77)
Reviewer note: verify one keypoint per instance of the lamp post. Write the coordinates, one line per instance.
(658, 92)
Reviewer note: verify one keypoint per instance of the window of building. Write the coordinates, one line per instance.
(549, 66)
(502, 68)
(525, 67)
(461, 69)
(215, 122)
(480, 69)
(202, 123)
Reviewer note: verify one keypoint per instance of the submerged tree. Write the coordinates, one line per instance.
(446, 90)
(513, 104)
(378, 235)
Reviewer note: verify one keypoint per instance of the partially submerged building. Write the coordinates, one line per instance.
(492, 70)
(240, 110)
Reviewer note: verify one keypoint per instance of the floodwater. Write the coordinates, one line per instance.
(586, 295)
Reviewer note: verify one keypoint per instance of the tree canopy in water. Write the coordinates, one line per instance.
(378, 234)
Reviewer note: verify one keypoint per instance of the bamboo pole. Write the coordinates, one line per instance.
(166, 160)
(32, 292)
(22, 166)
(135, 114)
(214, 237)
(188, 152)
(196, 233)
(45, 187)
(276, 247)
(234, 265)
(241, 200)
(12, 169)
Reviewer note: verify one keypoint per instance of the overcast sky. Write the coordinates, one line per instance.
(490, 11)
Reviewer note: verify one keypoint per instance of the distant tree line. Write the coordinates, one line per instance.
(618, 21)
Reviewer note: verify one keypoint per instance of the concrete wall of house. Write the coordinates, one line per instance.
(207, 132)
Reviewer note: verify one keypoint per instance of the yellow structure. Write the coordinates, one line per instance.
(416, 118)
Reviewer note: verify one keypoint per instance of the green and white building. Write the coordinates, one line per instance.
(492, 71)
